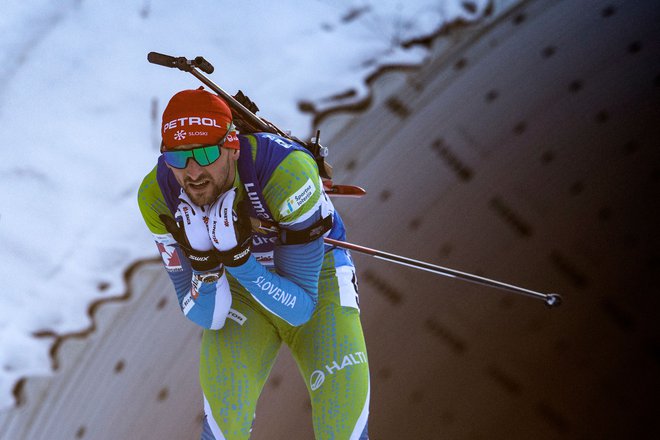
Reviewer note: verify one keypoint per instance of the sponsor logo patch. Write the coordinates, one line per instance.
(275, 292)
(265, 258)
(258, 240)
(194, 287)
(316, 380)
(170, 256)
(278, 141)
(237, 316)
(298, 199)
(259, 209)
(187, 304)
(190, 121)
(318, 376)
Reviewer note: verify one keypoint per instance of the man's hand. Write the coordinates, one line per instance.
(230, 233)
(192, 235)
(195, 220)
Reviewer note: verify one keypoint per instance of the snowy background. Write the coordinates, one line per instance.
(80, 111)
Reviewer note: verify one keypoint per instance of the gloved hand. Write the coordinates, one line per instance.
(189, 230)
(230, 232)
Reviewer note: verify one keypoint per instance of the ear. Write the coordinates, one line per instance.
(234, 154)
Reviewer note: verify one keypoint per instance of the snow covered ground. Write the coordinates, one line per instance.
(80, 108)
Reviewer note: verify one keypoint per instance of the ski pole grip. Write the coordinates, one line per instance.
(161, 59)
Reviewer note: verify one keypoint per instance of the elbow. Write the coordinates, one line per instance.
(217, 324)
(220, 314)
(208, 325)
(203, 323)
(210, 310)
(207, 322)
(303, 318)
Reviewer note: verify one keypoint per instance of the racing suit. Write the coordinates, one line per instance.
(304, 295)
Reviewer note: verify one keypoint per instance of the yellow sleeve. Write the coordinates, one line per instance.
(152, 203)
(293, 192)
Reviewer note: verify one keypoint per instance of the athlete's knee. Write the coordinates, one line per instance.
(340, 401)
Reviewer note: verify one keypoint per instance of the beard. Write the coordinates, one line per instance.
(202, 192)
(207, 186)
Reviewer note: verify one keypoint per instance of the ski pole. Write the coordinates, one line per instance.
(255, 123)
(550, 299)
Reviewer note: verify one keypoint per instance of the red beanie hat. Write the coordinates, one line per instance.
(198, 117)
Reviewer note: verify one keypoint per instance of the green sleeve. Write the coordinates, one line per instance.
(152, 203)
(293, 192)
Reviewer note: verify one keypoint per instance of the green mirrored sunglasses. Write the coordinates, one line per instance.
(204, 156)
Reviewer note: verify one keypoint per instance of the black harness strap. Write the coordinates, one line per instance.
(315, 231)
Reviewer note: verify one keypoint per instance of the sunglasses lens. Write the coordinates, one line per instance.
(203, 156)
(177, 158)
(206, 155)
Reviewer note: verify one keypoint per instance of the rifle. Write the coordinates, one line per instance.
(246, 120)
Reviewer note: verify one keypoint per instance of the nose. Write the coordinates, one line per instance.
(193, 169)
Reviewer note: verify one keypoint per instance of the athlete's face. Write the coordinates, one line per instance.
(204, 184)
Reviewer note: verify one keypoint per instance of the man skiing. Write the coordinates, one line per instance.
(251, 291)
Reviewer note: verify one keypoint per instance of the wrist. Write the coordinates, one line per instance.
(203, 261)
(245, 270)
(209, 276)
(236, 256)
(218, 269)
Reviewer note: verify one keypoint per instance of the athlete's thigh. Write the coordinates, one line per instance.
(234, 364)
(331, 354)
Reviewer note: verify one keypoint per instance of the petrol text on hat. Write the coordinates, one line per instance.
(192, 120)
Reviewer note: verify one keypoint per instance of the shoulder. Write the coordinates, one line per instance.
(148, 187)
(152, 203)
(288, 175)
(298, 164)
(271, 142)
(276, 158)
(294, 188)
(248, 143)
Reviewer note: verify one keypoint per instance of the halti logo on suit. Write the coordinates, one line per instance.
(318, 376)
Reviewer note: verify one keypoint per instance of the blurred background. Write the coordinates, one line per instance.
(525, 149)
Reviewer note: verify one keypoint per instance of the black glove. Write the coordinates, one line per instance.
(230, 231)
(201, 261)
(247, 102)
(237, 255)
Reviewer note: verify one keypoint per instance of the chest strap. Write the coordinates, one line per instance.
(315, 231)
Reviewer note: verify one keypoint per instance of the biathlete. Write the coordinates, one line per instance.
(250, 291)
